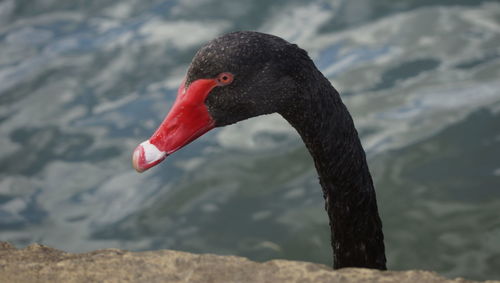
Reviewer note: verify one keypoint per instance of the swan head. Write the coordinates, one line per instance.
(232, 78)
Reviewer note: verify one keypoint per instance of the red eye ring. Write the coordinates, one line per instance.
(224, 79)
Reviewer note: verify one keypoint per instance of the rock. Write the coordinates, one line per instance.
(38, 263)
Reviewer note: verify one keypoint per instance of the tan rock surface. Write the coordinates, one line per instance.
(38, 263)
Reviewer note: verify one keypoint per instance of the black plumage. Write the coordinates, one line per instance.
(272, 75)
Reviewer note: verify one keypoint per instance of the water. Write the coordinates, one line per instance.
(82, 83)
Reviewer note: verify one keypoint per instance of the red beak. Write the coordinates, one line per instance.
(187, 120)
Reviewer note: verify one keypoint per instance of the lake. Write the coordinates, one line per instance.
(83, 82)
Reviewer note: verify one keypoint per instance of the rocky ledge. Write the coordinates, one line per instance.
(38, 263)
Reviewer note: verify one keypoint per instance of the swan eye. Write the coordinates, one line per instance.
(224, 79)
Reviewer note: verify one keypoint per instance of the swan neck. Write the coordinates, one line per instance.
(327, 129)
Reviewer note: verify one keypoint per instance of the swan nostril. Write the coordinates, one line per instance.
(172, 128)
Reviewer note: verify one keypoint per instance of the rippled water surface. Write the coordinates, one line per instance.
(83, 82)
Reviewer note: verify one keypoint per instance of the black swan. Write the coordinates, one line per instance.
(246, 74)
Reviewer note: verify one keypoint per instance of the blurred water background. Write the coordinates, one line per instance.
(83, 82)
